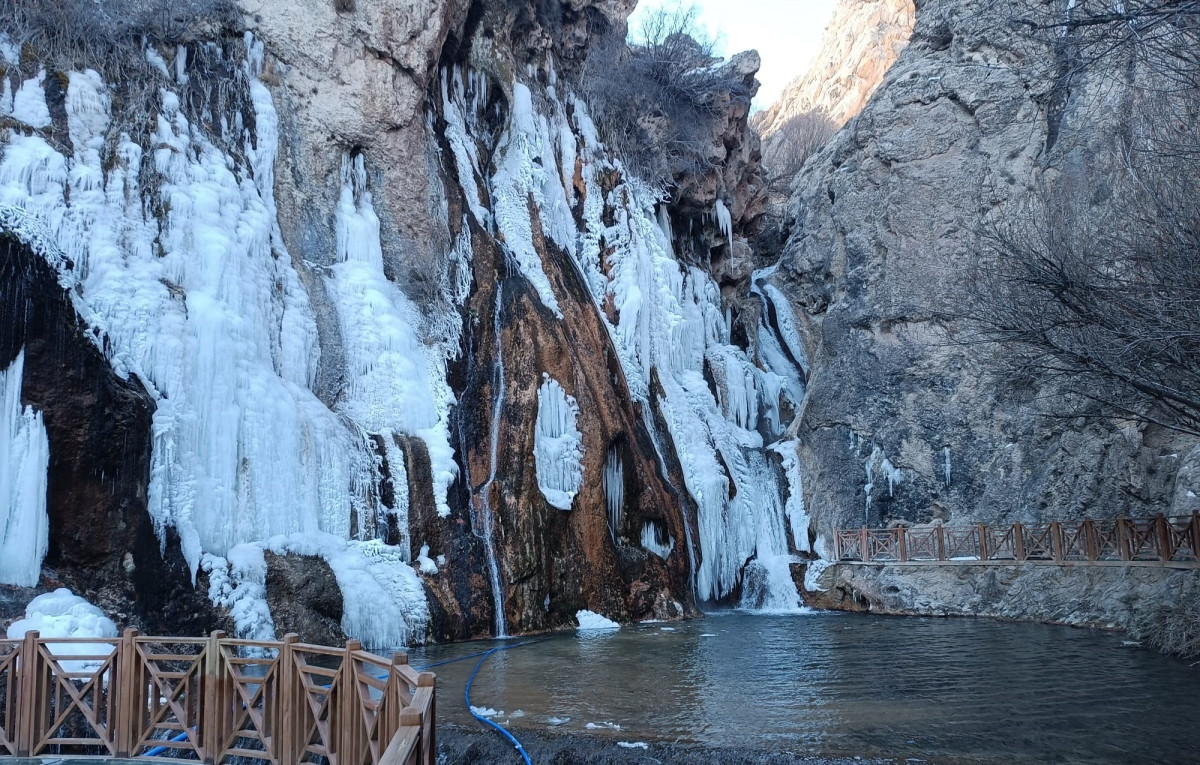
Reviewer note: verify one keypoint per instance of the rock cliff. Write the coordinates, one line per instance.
(905, 419)
(861, 42)
(380, 307)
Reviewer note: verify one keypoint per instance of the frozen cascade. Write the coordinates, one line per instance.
(669, 319)
(390, 385)
(798, 518)
(558, 445)
(205, 307)
(24, 461)
(614, 489)
(485, 519)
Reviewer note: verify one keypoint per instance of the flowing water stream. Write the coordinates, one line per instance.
(845, 684)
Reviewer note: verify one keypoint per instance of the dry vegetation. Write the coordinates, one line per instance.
(655, 98)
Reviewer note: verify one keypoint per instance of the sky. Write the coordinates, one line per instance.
(786, 33)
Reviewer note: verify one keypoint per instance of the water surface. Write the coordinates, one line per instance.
(846, 684)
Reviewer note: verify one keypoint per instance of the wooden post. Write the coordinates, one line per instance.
(1056, 542)
(1196, 536)
(864, 538)
(1123, 540)
(28, 678)
(1089, 539)
(429, 730)
(983, 551)
(902, 543)
(941, 543)
(1164, 538)
(349, 722)
(286, 702)
(212, 712)
(124, 685)
(1018, 541)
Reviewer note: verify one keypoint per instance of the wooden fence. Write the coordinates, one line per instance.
(1158, 541)
(212, 699)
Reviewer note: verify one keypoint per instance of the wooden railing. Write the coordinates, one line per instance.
(1157, 541)
(212, 699)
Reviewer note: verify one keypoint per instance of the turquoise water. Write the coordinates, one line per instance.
(845, 684)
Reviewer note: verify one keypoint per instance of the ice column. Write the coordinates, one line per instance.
(558, 445)
(24, 459)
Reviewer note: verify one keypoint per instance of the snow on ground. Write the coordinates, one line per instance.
(63, 614)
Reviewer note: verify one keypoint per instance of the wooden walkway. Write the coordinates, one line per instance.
(166, 699)
(1158, 541)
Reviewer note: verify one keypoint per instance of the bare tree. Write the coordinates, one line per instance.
(785, 150)
(654, 98)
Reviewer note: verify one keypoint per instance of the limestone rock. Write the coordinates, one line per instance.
(903, 422)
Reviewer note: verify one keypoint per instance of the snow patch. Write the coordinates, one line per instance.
(590, 620)
(63, 614)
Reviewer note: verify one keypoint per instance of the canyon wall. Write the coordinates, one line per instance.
(907, 419)
(379, 306)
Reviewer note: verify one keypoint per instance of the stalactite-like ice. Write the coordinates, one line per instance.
(798, 518)
(652, 543)
(520, 177)
(558, 445)
(24, 460)
(614, 489)
(204, 305)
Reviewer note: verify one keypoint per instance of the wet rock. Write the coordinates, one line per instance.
(304, 598)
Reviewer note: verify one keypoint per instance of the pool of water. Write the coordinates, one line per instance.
(845, 684)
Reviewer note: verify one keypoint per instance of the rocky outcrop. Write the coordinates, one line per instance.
(861, 42)
(904, 421)
(1082, 596)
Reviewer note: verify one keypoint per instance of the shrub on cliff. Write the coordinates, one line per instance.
(1172, 629)
(654, 99)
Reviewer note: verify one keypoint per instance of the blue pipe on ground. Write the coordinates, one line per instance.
(467, 695)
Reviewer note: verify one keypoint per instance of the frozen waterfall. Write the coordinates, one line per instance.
(24, 460)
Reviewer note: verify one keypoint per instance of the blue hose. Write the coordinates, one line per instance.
(481, 718)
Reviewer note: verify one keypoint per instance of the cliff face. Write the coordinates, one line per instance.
(399, 319)
(905, 419)
(861, 42)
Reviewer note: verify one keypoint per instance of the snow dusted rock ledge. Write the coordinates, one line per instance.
(1083, 596)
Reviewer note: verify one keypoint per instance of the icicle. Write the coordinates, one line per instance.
(24, 461)
(947, 454)
(652, 540)
(725, 221)
(614, 489)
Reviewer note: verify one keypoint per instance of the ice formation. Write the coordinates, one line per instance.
(614, 488)
(558, 445)
(652, 543)
(63, 614)
(669, 318)
(947, 466)
(590, 620)
(24, 461)
(204, 305)
(383, 600)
